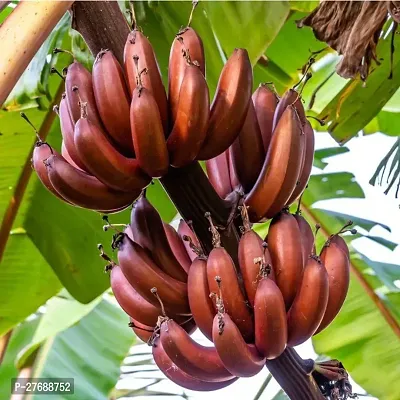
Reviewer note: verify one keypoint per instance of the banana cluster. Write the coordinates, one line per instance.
(271, 159)
(120, 129)
(278, 294)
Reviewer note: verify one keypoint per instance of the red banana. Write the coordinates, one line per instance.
(112, 99)
(181, 378)
(284, 244)
(280, 171)
(78, 76)
(186, 40)
(309, 305)
(235, 184)
(218, 174)
(339, 241)
(308, 159)
(104, 161)
(65, 154)
(41, 153)
(131, 301)
(200, 303)
(84, 190)
(191, 118)
(230, 105)
(188, 355)
(306, 237)
(337, 265)
(143, 332)
(220, 267)
(239, 358)
(138, 45)
(250, 249)
(293, 98)
(265, 101)
(143, 274)
(177, 246)
(67, 131)
(148, 231)
(269, 319)
(147, 133)
(247, 151)
(184, 230)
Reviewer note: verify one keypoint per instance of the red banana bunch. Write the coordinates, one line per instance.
(251, 311)
(120, 129)
(270, 161)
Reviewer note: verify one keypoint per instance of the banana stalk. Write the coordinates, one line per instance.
(22, 34)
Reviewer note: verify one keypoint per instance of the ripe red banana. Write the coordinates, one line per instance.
(181, 378)
(221, 275)
(307, 237)
(239, 358)
(293, 98)
(230, 105)
(143, 332)
(84, 190)
(67, 131)
(138, 45)
(184, 230)
(218, 174)
(193, 358)
(265, 101)
(309, 305)
(235, 184)
(191, 118)
(284, 244)
(177, 246)
(131, 301)
(42, 152)
(186, 40)
(269, 319)
(250, 249)
(247, 151)
(280, 171)
(143, 274)
(147, 133)
(337, 265)
(308, 159)
(65, 154)
(112, 99)
(78, 76)
(148, 231)
(200, 303)
(339, 241)
(104, 161)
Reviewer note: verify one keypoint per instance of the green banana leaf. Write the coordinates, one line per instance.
(90, 352)
(61, 313)
(359, 336)
(355, 106)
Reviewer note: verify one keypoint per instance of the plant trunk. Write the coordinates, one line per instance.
(102, 26)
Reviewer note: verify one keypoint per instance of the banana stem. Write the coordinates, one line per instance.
(288, 370)
(33, 20)
(190, 189)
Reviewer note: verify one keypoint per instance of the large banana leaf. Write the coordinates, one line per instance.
(360, 336)
(90, 352)
(357, 104)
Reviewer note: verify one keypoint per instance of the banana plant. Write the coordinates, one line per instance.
(47, 246)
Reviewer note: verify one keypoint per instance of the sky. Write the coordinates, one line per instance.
(364, 156)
